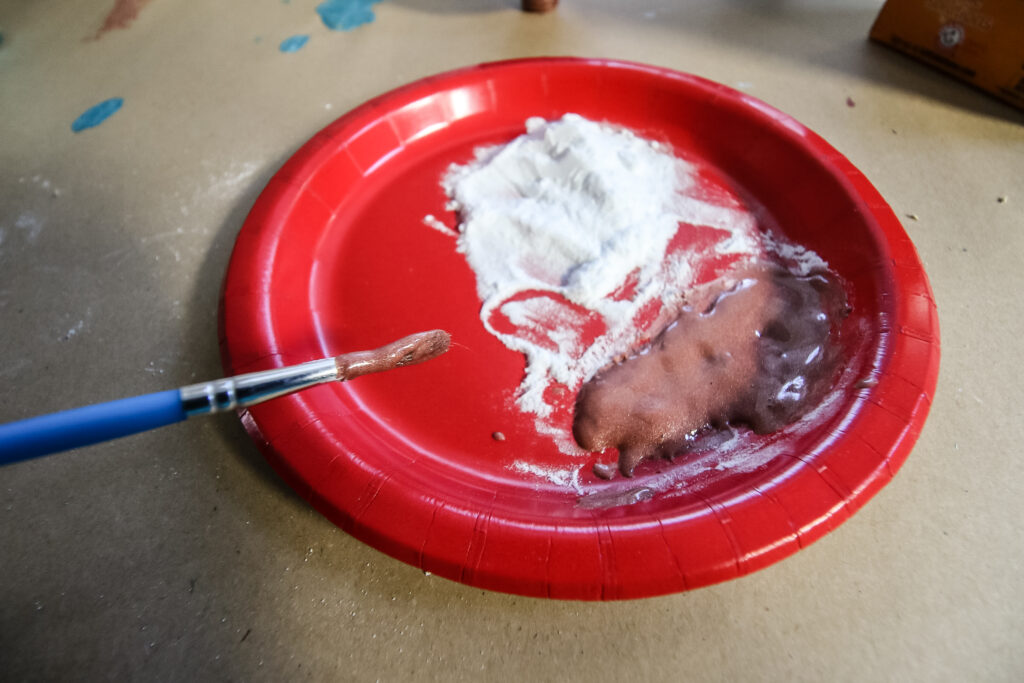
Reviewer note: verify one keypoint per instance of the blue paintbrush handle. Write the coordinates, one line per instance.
(88, 425)
(103, 421)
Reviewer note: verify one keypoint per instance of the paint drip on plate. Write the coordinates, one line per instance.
(587, 242)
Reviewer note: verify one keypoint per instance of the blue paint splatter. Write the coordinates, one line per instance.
(345, 15)
(294, 44)
(94, 116)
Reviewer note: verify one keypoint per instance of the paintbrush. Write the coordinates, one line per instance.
(103, 421)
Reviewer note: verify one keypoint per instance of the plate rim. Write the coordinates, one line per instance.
(918, 322)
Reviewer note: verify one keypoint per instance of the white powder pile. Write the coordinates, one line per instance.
(560, 219)
(571, 206)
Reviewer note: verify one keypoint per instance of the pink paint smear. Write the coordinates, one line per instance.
(121, 15)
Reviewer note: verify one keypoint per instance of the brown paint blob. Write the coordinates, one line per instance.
(756, 349)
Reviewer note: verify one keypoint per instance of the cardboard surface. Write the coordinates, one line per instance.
(178, 554)
(979, 42)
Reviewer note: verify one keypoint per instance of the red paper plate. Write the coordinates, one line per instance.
(335, 257)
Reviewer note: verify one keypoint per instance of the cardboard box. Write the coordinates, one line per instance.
(978, 41)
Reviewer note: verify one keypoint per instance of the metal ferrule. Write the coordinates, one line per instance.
(255, 387)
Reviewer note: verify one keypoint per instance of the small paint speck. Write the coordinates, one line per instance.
(258, 39)
(294, 43)
(1001, 200)
(912, 216)
(345, 15)
(850, 102)
(121, 15)
(94, 116)
(498, 436)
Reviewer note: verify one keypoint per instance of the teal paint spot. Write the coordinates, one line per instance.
(345, 15)
(293, 44)
(94, 116)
